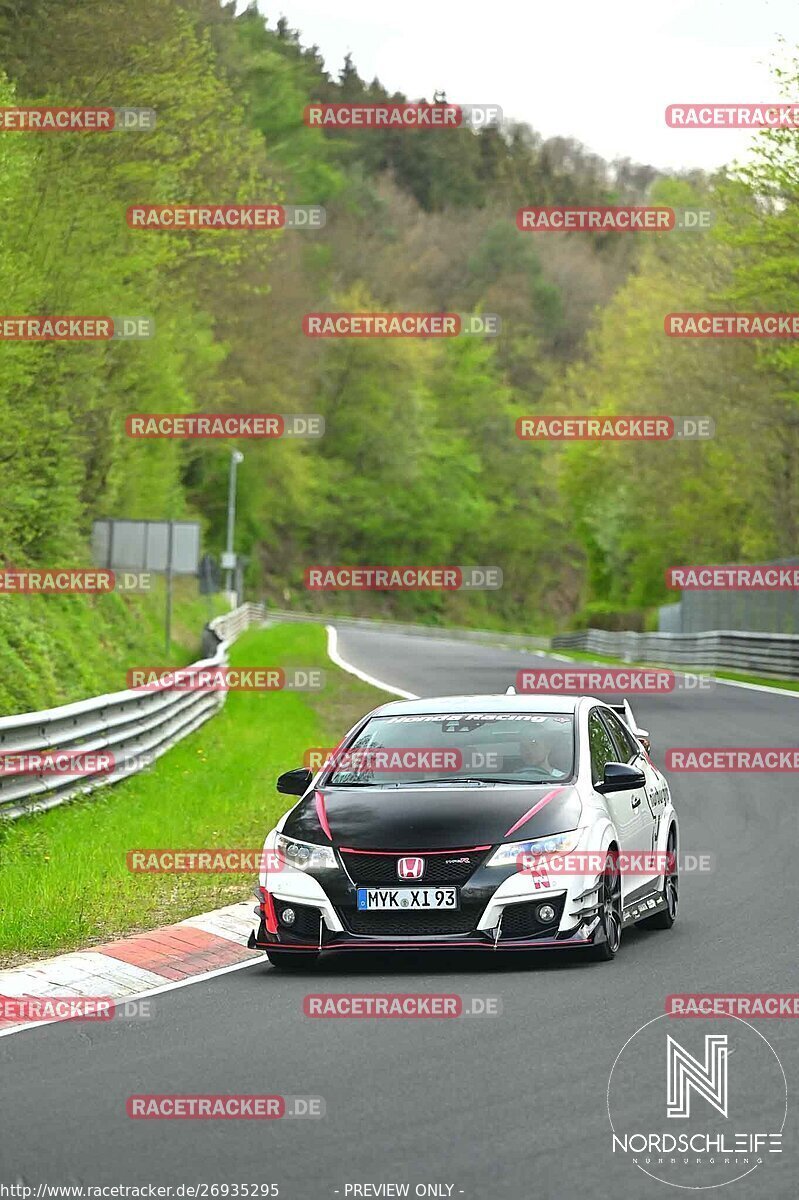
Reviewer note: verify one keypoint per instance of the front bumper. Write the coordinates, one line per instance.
(493, 916)
(498, 911)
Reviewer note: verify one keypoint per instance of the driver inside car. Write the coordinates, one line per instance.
(538, 749)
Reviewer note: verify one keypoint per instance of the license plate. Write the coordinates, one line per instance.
(409, 899)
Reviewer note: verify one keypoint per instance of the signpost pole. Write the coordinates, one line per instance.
(236, 457)
(168, 620)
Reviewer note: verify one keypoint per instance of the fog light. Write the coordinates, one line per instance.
(288, 916)
(546, 914)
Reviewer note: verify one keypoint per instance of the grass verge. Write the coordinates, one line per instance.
(64, 881)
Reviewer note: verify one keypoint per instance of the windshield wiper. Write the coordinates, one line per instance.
(480, 779)
(446, 779)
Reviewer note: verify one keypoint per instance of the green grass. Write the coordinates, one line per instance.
(788, 685)
(64, 881)
(56, 649)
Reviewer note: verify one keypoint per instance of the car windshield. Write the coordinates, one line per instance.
(445, 748)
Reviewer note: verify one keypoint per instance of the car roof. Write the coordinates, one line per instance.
(489, 704)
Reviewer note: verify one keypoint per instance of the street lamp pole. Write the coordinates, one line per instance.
(236, 457)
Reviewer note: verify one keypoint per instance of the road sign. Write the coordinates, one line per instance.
(126, 545)
(171, 547)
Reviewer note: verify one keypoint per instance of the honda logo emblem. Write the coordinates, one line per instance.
(410, 868)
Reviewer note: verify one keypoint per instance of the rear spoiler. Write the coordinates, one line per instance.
(623, 710)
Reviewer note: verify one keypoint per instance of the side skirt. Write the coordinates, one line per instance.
(650, 901)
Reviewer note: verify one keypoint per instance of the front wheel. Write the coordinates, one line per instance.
(288, 960)
(609, 912)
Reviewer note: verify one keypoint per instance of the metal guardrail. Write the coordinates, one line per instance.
(135, 726)
(774, 655)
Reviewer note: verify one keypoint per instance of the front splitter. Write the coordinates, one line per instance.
(341, 945)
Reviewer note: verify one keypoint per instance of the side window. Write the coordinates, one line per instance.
(601, 745)
(627, 750)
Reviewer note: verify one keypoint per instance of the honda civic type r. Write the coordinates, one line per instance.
(486, 822)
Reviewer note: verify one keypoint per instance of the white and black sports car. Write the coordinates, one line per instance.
(486, 822)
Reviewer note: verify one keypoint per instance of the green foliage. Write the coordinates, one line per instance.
(420, 463)
(57, 649)
(641, 508)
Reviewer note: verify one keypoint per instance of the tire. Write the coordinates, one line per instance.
(671, 888)
(286, 960)
(610, 913)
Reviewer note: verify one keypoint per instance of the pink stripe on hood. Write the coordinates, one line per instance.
(319, 801)
(536, 808)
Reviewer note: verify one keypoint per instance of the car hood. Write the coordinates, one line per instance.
(434, 818)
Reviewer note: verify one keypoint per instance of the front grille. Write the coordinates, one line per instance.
(382, 868)
(421, 924)
(306, 923)
(520, 920)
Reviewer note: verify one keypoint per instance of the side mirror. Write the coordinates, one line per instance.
(296, 782)
(620, 777)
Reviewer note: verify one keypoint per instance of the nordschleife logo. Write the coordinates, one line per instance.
(700, 1110)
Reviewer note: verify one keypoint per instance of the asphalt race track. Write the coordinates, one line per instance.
(511, 1106)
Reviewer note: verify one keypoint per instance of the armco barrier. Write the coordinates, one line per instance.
(128, 724)
(774, 655)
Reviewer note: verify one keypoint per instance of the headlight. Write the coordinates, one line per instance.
(305, 856)
(558, 843)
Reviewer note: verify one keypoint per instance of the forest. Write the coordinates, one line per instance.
(420, 462)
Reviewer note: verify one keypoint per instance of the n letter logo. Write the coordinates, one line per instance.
(708, 1079)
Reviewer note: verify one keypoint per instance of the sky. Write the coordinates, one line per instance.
(602, 73)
